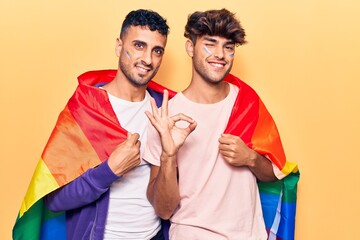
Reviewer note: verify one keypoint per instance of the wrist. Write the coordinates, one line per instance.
(168, 157)
(252, 159)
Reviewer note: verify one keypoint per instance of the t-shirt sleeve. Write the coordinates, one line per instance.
(153, 149)
(279, 175)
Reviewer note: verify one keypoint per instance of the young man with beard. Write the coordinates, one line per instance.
(205, 168)
(91, 172)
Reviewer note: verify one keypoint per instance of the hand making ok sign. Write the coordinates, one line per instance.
(172, 137)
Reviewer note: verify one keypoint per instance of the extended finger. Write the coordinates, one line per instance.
(154, 108)
(150, 117)
(164, 105)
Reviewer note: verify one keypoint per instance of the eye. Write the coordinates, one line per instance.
(209, 44)
(230, 48)
(139, 45)
(159, 51)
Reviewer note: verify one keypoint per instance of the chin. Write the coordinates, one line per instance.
(138, 82)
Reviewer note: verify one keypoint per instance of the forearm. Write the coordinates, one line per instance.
(262, 168)
(163, 191)
(83, 190)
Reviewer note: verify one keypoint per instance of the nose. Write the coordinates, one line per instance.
(146, 57)
(219, 52)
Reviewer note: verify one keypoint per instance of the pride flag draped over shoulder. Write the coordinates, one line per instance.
(85, 135)
(253, 123)
(87, 131)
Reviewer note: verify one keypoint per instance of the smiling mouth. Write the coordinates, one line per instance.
(143, 69)
(217, 64)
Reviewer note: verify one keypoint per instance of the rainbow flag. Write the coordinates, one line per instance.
(85, 134)
(253, 123)
(74, 146)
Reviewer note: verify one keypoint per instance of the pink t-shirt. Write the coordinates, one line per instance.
(218, 201)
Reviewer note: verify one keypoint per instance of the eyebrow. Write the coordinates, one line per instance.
(141, 42)
(210, 39)
(145, 44)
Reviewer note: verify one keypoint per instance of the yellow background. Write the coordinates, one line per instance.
(302, 58)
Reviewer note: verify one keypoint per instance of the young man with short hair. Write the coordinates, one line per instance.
(212, 142)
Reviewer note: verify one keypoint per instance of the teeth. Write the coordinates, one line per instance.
(142, 69)
(217, 64)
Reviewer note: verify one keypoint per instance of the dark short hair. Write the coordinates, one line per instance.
(220, 23)
(148, 18)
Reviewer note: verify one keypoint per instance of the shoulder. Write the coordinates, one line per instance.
(244, 88)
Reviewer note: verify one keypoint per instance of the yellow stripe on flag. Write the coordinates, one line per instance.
(41, 184)
(289, 167)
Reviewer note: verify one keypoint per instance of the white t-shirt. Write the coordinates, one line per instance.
(130, 215)
(218, 201)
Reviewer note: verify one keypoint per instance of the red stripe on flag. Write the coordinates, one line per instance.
(93, 112)
(244, 116)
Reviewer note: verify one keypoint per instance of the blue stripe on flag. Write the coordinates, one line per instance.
(269, 203)
(54, 228)
(287, 222)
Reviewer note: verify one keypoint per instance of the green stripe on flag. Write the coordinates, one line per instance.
(29, 225)
(270, 187)
(288, 185)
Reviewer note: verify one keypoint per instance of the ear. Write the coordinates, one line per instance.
(118, 47)
(189, 46)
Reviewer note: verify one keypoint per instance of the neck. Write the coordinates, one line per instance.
(122, 88)
(206, 93)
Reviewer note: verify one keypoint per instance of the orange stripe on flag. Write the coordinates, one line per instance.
(266, 139)
(68, 153)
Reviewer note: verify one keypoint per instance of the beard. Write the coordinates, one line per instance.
(136, 79)
(211, 77)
